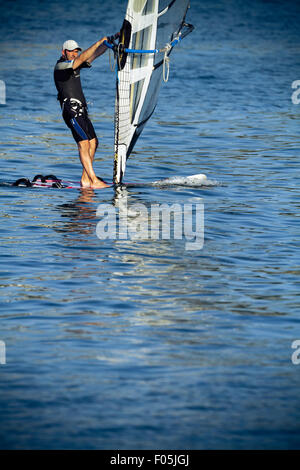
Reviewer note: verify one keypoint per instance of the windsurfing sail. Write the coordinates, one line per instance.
(150, 31)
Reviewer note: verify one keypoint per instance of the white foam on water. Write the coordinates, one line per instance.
(193, 180)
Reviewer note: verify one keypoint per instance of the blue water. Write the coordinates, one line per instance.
(143, 344)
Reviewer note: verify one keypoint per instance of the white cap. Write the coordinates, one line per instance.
(70, 45)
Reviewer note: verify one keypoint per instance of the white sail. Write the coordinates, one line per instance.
(149, 25)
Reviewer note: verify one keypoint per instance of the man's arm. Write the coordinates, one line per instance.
(91, 53)
(99, 51)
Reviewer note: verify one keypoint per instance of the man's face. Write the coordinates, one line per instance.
(71, 55)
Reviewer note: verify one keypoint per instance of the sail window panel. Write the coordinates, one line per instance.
(165, 24)
(138, 5)
(135, 96)
(163, 4)
(151, 96)
(141, 41)
(169, 23)
(149, 7)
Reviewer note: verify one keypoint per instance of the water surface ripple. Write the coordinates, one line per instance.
(142, 344)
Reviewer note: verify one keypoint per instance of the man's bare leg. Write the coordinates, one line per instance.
(87, 149)
(93, 144)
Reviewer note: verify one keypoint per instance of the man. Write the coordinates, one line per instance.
(73, 104)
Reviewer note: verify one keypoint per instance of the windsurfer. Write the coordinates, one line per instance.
(74, 106)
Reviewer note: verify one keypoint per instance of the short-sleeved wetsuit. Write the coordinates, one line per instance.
(72, 100)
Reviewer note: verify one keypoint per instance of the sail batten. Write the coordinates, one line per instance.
(145, 42)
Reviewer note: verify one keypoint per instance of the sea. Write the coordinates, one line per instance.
(121, 329)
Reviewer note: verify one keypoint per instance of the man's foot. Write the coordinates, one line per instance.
(85, 184)
(97, 184)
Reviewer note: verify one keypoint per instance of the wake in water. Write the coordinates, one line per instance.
(192, 180)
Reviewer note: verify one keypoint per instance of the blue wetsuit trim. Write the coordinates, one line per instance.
(78, 129)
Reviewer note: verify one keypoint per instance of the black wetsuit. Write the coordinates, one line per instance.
(72, 100)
